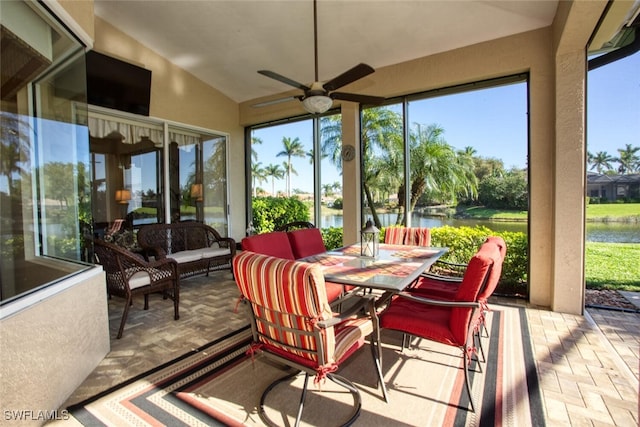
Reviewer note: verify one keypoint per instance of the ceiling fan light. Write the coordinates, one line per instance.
(317, 103)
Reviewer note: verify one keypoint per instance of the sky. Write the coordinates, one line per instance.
(493, 121)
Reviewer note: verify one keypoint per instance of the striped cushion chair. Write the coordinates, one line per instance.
(395, 235)
(418, 236)
(292, 323)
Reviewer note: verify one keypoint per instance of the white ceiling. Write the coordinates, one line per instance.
(225, 43)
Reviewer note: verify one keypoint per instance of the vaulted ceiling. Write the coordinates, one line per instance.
(225, 43)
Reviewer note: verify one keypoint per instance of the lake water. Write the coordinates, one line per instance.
(614, 232)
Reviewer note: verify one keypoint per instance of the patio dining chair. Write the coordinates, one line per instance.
(437, 286)
(448, 322)
(128, 275)
(292, 323)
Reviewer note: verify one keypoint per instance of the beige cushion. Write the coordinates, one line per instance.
(139, 279)
(186, 256)
(213, 252)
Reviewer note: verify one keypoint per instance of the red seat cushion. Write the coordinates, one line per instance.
(306, 242)
(334, 291)
(426, 321)
(274, 244)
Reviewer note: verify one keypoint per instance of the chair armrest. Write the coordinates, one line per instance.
(454, 280)
(365, 305)
(157, 252)
(441, 303)
(229, 243)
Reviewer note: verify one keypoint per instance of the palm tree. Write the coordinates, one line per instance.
(436, 168)
(254, 141)
(381, 130)
(629, 160)
(292, 148)
(258, 175)
(601, 161)
(274, 172)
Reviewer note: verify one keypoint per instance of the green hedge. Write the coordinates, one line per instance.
(270, 213)
(463, 242)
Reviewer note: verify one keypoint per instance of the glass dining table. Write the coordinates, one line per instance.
(395, 267)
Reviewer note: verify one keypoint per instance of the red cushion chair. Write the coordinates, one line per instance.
(292, 322)
(306, 242)
(448, 322)
(442, 287)
(274, 244)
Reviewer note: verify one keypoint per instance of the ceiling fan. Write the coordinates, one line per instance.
(319, 97)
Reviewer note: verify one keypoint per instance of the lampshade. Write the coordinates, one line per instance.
(196, 192)
(123, 196)
(317, 103)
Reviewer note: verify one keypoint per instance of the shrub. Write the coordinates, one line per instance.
(332, 237)
(270, 213)
(463, 242)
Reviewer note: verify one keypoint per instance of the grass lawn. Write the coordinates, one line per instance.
(613, 211)
(613, 266)
(484, 213)
(604, 212)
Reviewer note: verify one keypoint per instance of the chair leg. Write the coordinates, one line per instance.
(127, 304)
(466, 360)
(376, 352)
(176, 304)
(478, 336)
(341, 381)
(146, 301)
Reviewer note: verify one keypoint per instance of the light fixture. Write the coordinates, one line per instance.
(123, 196)
(316, 104)
(369, 240)
(196, 192)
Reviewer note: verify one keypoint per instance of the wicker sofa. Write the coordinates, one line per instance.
(196, 247)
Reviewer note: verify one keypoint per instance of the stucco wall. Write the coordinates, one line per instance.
(50, 347)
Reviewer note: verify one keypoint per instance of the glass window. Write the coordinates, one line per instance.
(331, 171)
(464, 149)
(127, 167)
(283, 174)
(383, 165)
(45, 195)
(198, 178)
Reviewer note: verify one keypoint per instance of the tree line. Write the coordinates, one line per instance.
(627, 161)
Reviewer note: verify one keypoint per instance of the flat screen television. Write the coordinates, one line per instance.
(116, 84)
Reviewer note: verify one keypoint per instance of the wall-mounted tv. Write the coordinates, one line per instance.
(116, 84)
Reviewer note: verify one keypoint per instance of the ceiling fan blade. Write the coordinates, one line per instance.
(276, 101)
(353, 97)
(283, 79)
(355, 73)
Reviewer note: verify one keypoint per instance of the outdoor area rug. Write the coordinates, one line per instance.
(219, 384)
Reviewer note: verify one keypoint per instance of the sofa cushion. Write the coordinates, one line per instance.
(186, 256)
(214, 252)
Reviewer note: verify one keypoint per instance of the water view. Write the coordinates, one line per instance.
(612, 232)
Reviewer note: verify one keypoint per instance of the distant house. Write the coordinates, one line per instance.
(613, 187)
